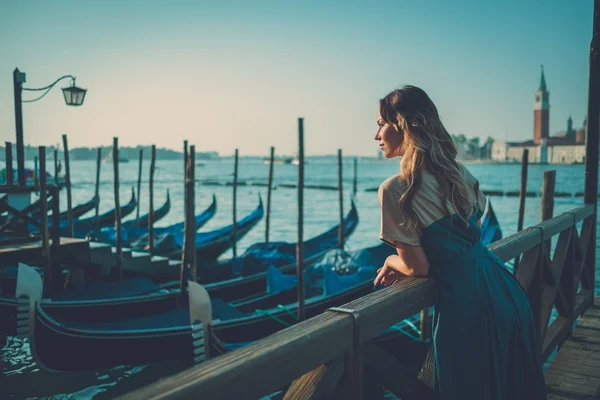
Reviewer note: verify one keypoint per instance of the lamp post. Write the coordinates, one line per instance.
(73, 95)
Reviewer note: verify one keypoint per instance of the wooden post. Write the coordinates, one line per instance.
(119, 249)
(536, 288)
(185, 163)
(189, 240)
(151, 193)
(191, 212)
(300, 242)
(18, 79)
(548, 195)
(68, 184)
(9, 164)
(36, 171)
(592, 142)
(44, 221)
(269, 189)
(139, 189)
(355, 181)
(341, 200)
(56, 172)
(55, 247)
(235, 182)
(522, 196)
(97, 193)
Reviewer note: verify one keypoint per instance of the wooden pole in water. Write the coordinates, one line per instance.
(55, 247)
(300, 242)
(56, 172)
(188, 231)
(355, 181)
(191, 212)
(36, 171)
(548, 195)
(591, 144)
(97, 193)
(341, 200)
(269, 189)
(151, 200)
(119, 250)
(185, 163)
(139, 189)
(522, 196)
(235, 183)
(9, 163)
(44, 221)
(68, 185)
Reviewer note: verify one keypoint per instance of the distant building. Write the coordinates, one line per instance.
(564, 147)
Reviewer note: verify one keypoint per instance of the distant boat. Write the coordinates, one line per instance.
(122, 160)
(278, 160)
(284, 160)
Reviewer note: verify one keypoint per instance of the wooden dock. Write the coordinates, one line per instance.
(575, 372)
(31, 252)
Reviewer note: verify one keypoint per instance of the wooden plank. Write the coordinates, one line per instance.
(575, 372)
(514, 245)
(570, 365)
(527, 267)
(31, 252)
(557, 332)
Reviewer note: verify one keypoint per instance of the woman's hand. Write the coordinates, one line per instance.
(387, 275)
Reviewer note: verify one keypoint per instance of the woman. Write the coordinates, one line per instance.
(484, 335)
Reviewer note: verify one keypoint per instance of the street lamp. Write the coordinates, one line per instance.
(73, 95)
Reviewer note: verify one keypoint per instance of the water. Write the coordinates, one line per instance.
(320, 213)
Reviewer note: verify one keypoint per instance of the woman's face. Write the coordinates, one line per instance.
(390, 140)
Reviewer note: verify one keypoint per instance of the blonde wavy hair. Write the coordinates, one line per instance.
(426, 144)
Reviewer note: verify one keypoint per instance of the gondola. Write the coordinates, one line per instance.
(106, 219)
(82, 227)
(137, 295)
(77, 211)
(131, 231)
(62, 345)
(246, 276)
(209, 245)
(199, 221)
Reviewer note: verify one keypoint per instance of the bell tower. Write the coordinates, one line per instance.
(541, 112)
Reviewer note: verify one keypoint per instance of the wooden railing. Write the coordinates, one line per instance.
(324, 357)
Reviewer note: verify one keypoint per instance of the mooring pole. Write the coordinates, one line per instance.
(9, 164)
(44, 220)
(591, 144)
(522, 196)
(189, 242)
(56, 172)
(341, 200)
(300, 243)
(191, 211)
(139, 189)
(355, 181)
(119, 248)
(18, 79)
(68, 184)
(235, 183)
(269, 189)
(36, 171)
(185, 165)
(97, 193)
(151, 200)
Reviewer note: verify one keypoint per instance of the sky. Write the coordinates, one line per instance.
(238, 74)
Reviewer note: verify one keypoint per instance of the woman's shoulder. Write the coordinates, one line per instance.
(392, 184)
